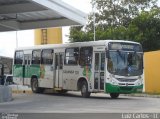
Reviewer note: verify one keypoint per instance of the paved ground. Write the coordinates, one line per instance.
(72, 102)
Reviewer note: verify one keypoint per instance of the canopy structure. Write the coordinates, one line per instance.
(32, 14)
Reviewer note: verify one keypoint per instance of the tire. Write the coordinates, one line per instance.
(34, 86)
(114, 95)
(84, 90)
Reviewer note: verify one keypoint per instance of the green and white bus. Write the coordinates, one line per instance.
(110, 66)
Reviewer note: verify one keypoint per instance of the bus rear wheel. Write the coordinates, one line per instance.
(34, 86)
(84, 90)
(114, 95)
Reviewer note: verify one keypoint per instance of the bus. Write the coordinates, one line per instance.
(110, 66)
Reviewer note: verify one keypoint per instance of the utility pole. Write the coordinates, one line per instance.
(93, 10)
(16, 39)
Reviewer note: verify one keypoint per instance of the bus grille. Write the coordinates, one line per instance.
(126, 88)
(126, 80)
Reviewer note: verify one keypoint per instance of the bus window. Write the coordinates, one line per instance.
(36, 57)
(18, 57)
(71, 56)
(85, 56)
(47, 56)
(61, 61)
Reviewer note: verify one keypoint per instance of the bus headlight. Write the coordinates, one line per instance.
(139, 81)
(140, 78)
(112, 79)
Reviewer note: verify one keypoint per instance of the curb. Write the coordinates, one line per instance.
(22, 92)
(143, 95)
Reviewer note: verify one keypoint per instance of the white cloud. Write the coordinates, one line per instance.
(83, 5)
(8, 41)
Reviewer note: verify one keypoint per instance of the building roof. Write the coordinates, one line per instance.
(32, 14)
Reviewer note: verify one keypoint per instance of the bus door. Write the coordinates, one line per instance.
(26, 69)
(99, 67)
(59, 69)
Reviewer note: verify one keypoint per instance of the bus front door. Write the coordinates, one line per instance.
(58, 70)
(99, 65)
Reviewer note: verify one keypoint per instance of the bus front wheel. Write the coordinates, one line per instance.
(84, 90)
(114, 95)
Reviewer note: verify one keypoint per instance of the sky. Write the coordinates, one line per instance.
(26, 38)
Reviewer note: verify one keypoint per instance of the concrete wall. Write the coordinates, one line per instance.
(152, 71)
(5, 94)
(52, 35)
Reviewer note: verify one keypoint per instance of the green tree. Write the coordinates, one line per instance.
(122, 19)
(145, 29)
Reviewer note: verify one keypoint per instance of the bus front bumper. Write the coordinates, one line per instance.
(109, 88)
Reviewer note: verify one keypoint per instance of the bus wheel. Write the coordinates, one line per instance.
(84, 90)
(34, 86)
(114, 95)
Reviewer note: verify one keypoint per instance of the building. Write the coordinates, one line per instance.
(5, 65)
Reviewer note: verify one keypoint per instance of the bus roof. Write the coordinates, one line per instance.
(75, 44)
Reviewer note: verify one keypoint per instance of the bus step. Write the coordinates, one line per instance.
(57, 88)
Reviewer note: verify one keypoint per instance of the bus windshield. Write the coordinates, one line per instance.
(125, 63)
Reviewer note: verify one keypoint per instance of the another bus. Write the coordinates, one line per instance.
(110, 66)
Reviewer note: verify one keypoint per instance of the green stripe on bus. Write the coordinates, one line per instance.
(109, 88)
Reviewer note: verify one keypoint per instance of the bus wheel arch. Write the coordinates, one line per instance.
(35, 86)
(79, 83)
(83, 86)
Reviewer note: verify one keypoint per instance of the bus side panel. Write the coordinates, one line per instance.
(70, 76)
(46, 76)
(18, 74)
(35, 71)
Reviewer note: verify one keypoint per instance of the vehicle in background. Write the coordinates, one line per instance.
(6, 79)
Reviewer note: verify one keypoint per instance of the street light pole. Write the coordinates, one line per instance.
(16, 40)
(93, 10)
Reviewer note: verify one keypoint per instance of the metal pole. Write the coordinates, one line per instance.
(94, 26)
(16, 40)
(93, 9)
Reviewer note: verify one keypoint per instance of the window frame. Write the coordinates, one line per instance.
(76, 62)
(51, 54)
(84, 58)
(34, 57)
(21, 58)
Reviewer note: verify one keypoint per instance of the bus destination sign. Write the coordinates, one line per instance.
(124, 46)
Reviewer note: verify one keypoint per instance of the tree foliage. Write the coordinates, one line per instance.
(136, 20)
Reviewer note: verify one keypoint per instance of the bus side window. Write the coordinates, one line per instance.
(86, 56)
(36, 57)
(72, 56)
(47, 56)
(18, 59)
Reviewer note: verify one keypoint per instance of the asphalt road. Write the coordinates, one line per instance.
(72, 102)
